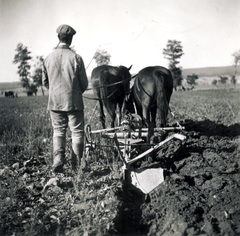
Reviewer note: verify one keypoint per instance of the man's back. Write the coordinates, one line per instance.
(66, 78)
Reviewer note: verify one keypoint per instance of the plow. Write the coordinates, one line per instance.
(127, 139)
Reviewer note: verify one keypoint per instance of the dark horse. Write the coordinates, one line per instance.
(111, 84)
(151, 95)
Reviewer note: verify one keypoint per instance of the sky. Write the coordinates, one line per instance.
(134, 32)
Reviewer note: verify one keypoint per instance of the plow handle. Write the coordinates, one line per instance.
(178, 136)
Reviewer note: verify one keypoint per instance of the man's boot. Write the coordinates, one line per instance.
(77, 154)
(59, 144)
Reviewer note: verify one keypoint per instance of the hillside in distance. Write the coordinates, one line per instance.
(211, 71)
(10, 85)
(206, 73)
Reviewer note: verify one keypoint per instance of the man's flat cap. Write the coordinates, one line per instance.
(65, 29)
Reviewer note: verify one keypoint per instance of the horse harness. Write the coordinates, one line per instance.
(139, 83)
(109, 85)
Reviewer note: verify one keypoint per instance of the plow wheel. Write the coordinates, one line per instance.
(89, 144)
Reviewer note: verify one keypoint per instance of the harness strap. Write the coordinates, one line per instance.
(143, 88)
(109, 85)
(91, 98)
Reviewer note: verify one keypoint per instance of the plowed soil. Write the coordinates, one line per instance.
(200, 194)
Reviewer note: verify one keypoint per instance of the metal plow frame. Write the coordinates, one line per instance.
(145, 179)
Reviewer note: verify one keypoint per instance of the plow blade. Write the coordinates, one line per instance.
(146, 179)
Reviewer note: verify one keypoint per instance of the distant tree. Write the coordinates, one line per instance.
(233, 80)
(22, 57)
(191, 79)
(177, 76)
(37, 73)
(102, 57)
(173, 53)
(236, 56)
(223, 79)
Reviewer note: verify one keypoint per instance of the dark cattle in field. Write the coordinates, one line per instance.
(9, 94)
(30, 93)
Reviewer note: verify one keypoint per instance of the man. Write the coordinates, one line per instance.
(65, 76)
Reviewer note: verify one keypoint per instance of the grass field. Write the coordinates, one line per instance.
(95, 202)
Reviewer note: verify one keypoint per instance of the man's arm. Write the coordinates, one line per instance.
(83, 80)
(45, 80)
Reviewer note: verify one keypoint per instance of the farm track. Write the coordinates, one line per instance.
(200, 194)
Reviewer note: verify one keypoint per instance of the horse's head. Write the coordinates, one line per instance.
(125, 72)
(126, 77)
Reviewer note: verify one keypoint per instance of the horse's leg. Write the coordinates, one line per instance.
(119, 113)
(146, 121)
(139, 111)
(145, 115)
(102, 116)
(152, 124)
(113, 115)
(153, 116)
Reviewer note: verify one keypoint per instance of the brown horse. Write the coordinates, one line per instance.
(151, 95)
(111, 84)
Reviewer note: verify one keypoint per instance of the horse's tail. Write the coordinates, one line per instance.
(103, 84)
(164, 91)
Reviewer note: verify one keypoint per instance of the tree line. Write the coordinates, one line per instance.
(29, 81)
(172, 52)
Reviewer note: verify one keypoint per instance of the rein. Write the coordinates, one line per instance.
(109, 85)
